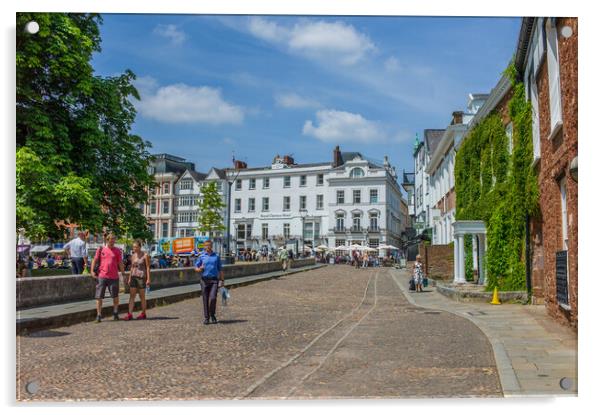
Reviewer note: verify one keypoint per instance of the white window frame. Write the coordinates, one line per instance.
(237, 205)
(302, 202)
(251, 205)
(286, 181)
(265, 201)
(319, 202)
(340, 197)
(555, 96)
(320, 180)
(252, 184)
(286, 199)
(303, 180)
(357, 192)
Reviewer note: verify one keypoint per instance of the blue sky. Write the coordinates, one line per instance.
(262, 85)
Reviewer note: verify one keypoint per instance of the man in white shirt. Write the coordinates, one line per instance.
(78, 251)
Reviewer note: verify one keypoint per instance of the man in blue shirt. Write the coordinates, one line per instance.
(212, 277)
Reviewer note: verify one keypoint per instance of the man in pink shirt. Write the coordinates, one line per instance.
(106, 266)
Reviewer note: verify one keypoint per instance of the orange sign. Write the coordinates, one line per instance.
(183, 245)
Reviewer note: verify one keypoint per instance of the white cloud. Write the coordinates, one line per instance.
(342, 126)
(171, 32)
(392, 64)
(324, 41)
(293, 100)
(228, 141)
(180, 103)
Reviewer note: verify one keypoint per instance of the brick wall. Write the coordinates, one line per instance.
(438, 260)
(556, 155)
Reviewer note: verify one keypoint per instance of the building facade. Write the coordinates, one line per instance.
(349, 200)
(423, 221)
(161, 208)
(546, 59)
(440, 170)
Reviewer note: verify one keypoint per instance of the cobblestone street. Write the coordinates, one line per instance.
(332, 332)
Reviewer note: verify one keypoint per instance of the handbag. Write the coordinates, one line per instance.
(425, 282)
(97, 258)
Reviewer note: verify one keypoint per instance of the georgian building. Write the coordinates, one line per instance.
(440, 170)
(161, 208)
(546, 61)
(349, 200)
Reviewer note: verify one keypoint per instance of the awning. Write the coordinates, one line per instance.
(40, 248)
(57, 251)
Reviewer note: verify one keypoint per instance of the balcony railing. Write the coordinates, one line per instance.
(374, 229)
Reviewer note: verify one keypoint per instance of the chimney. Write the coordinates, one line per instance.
(457, 117)
(337, 158)
(239, 165)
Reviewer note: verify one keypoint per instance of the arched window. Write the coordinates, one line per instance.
(357, 172)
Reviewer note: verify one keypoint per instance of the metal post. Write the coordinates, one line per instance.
(228, 223)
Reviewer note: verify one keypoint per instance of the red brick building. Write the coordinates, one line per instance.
(546, 59)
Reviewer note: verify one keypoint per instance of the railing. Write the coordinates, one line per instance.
(374, 229)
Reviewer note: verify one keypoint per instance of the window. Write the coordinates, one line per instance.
(373, 221)
(240, 231)
(189, 232)
(266, 183)
(166, 188)
(186, 184)
(152, 229)
(252, 184)
(356, 221)
(164, 230)
(238, 184)
(373, 243)
(357, 172)
(249, 229)
(303, 181)
(237, 205)
(187, 200)
(157, 189)
(565, 232)
(302, 202)
(553, 77)
(166, 206)
(265, 206)
(340, 197)
(308, 231)
(535, 116)
(340, 242)
(509, 135)
(286, 203)
(218, 186)
(319, 202)
(264, 231)
(286, 230)
(340, 224)
(153, 207)
(251, 204)
(373, 195)
(320, 180)
(287, 181)
(357, 196)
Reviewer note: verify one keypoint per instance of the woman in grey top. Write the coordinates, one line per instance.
(139, 279)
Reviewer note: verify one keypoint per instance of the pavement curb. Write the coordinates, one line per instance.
(28, 325)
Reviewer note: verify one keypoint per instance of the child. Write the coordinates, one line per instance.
(418, 273)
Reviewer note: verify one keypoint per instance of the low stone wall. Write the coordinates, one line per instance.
(462, 294)
(38, 291)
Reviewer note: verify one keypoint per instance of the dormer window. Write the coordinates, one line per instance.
(357, 172)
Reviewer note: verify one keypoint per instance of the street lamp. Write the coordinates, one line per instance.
(228, 214)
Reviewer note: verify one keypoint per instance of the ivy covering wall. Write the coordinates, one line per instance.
(500, 188)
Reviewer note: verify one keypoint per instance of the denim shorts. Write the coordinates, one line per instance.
(138, 282)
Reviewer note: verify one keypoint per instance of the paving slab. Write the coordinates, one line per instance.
(529, 346)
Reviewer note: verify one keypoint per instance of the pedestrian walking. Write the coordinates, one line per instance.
(78, 251)
(138, 280)
(212, 278)
(106, 267)
(283, 257)
(365, 260)
(418, 273)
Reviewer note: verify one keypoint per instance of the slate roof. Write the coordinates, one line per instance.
(433, 137)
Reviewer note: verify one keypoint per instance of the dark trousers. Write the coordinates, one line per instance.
(209, 289)
(77, 266)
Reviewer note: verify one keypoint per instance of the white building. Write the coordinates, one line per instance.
(422, 191)
(349, 200)
(440, 170)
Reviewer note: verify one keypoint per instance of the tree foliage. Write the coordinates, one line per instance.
(211, 207)
(76, 160)
(500, 188)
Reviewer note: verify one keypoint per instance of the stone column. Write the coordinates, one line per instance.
(475, 258)
(461, 258)
(456, 259)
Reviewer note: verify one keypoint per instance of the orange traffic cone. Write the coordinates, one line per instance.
(495, 300)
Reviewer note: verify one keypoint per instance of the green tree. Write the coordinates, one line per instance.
(210, 210)
(76, 160)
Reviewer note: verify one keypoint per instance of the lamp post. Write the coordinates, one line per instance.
(230, 182)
